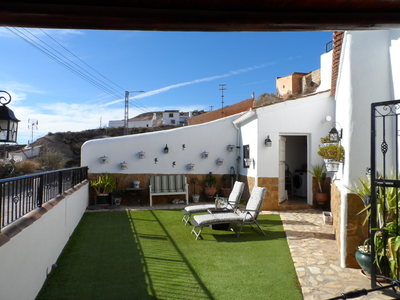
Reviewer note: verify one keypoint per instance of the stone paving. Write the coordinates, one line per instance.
(316, 259)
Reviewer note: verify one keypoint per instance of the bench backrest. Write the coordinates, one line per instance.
(168, 183)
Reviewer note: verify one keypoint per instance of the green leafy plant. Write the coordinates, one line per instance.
(104, 184)
(325, 139)
(318, 171)
(386, 240)
(333, 152)
(210, 180)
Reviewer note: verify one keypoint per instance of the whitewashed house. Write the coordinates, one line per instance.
(294, 127)
(364, 67)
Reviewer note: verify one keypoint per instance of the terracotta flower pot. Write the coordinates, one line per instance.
(321, 198)
(210, 191)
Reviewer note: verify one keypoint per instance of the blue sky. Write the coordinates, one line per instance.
(177, 70)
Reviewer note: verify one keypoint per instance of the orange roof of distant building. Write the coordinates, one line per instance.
(222, 113)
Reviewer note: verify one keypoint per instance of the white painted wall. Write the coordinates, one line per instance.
(326, 72)
(364, 77)
(394, 49)
(305, 116)
(27, 258)
(249, 136)
(131, 124)
(116, 123)
(212, 137)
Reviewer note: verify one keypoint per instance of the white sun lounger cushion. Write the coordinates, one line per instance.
(233, 200)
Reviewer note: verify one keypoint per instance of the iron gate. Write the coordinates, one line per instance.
(385, 184)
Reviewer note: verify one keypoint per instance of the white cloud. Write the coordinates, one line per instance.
(61, 117)
(181, 84)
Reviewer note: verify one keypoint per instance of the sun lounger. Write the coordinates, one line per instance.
(247, 216)
(233, 203)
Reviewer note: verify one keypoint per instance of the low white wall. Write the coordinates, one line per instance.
(27, 258)
(212, 137)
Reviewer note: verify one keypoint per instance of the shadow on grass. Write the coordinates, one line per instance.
(100, 261)
(123, 255)
(169, 273)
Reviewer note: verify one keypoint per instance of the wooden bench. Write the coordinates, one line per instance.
(165, 185)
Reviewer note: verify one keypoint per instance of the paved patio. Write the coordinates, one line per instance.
(315, 255)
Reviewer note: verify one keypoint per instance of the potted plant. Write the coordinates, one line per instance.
(103, 185)
(386, 239)
(318, 171)
(333, 155)
(364, 257)
(226, 186)
(210, 185)
(195, 196)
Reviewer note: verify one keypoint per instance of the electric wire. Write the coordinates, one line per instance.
(58, 60)
(90, 67)
(81, 60)
(69, 62)
(66, 62)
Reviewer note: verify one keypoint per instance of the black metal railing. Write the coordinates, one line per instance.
(20, 195)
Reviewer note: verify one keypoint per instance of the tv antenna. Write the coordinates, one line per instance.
(222, 89)
(32, 125)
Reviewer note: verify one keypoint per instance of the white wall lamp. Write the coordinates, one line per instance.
(204, 154)
(268, 142)
(230, 148)
(124, 165)
(219, 162)
(190, 167)
(103, 159)
(141, 155)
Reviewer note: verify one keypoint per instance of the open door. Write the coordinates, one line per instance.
(282, 169)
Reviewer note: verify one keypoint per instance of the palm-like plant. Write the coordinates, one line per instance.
(318, 171)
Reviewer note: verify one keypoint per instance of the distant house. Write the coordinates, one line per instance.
(151, 119)
(170, 117)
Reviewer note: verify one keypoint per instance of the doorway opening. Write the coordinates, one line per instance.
(293, 169)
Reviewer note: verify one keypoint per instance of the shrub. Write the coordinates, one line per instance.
(26, 167)
(52, 160)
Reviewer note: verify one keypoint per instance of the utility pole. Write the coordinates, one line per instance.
(33, 125)
(222, 89)
(126, 113)
(211, 107)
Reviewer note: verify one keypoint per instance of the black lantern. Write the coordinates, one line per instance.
(8, 121)
(166, 150)
(334, 135)
(268, 142)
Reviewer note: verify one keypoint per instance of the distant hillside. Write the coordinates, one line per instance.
(69, 143)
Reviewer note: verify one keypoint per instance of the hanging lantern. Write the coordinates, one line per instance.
(8, 121)
(334, 135)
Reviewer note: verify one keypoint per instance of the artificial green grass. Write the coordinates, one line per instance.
(152, 255)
